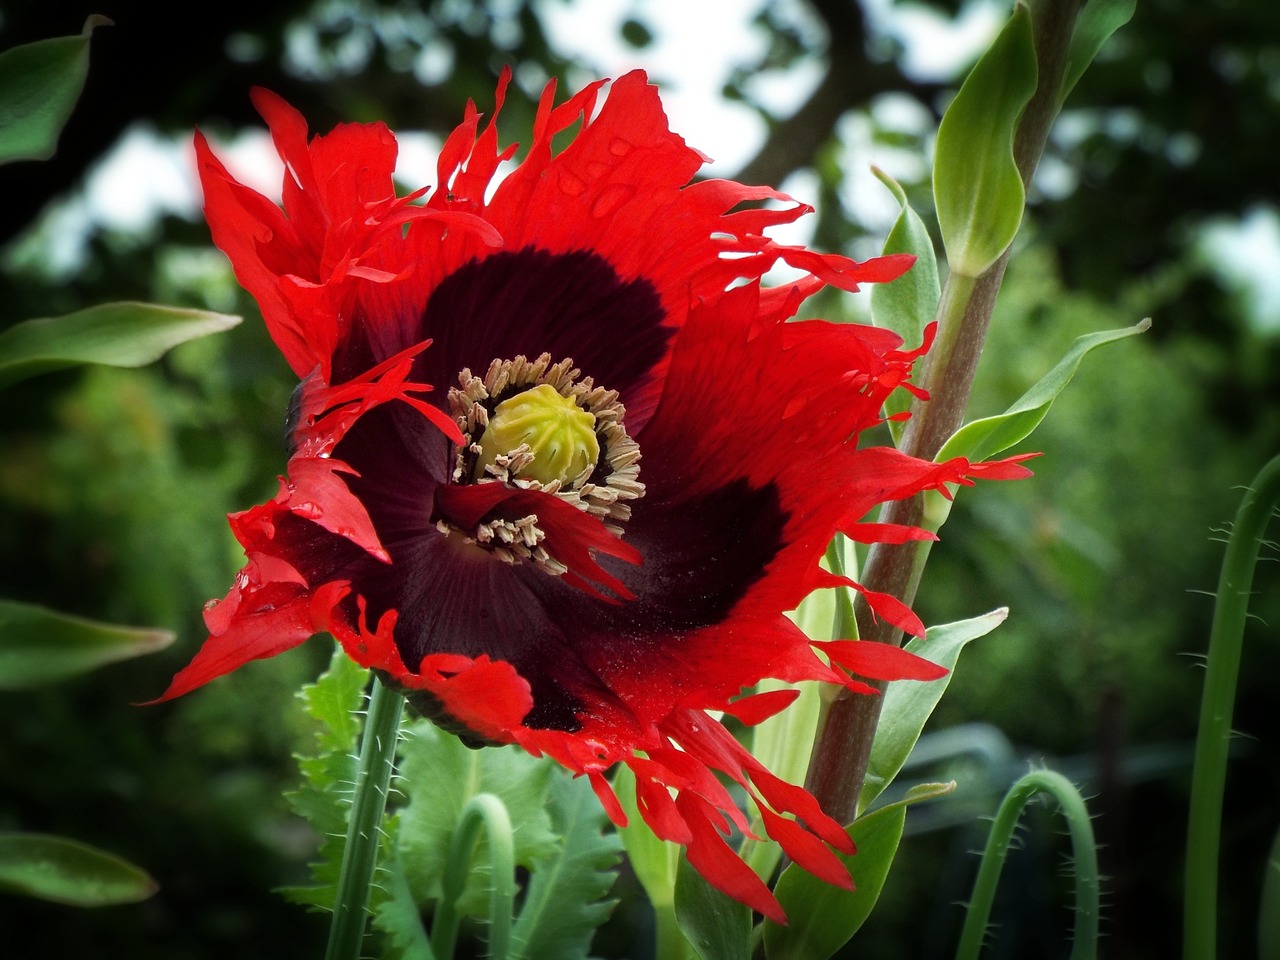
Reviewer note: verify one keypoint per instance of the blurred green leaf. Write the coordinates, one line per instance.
(116, 334)
(976, 185)
(1098, 20)
(39, 85)
(716, 926)
(39, 646)
(65, 871)
(906, 305)
(987, 437)
(565, 898)
(908, 704)
(822, 918)
(1269, 912)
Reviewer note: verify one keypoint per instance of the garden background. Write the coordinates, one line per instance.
(1158, 197)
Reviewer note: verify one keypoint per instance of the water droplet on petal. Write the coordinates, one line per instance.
(571, 184)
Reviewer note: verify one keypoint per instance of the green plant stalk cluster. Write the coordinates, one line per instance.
(368, 806)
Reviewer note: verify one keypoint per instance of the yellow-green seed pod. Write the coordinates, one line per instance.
(560, 434)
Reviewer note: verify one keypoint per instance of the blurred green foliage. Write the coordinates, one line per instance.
(114, 482)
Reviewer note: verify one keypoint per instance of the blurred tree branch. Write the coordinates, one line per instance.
(853, 79)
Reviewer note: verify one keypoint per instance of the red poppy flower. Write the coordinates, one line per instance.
(558, 462)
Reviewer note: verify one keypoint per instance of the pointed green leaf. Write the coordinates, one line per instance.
(822, 918)
(908, 704)
(1098, 20)
(65, 871)
(987, 437)
(976, 185)
(441, 775)
(906, 305)
(115, 334)
(39, 85)
(39, 646)
(565, 899)
(716, 926)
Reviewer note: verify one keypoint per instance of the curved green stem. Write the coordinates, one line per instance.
(364, 829)
(1209, 775)
(1084, 850)
(483, 810)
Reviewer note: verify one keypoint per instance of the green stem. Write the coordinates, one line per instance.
(843, 744)
(1209, 774)
(487, 811)
(1085, 852)
(364, 830)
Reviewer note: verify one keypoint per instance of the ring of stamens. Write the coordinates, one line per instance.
(604, 489)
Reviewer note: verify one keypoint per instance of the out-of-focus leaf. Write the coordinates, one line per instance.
(1269, 914)
(66, 871)
(115, 334)
(907, 706)
(716, 926)
(987, 437)
(822, 918)
(1098, 20)
(976, 185)
(39, 85)
(39, 646)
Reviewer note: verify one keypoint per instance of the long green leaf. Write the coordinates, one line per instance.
(989, 436)
(39, 85)
(907, 706)
(115, 334)
(39, 646)
(716, 926)
(822, 918)
(906, 305)
(1097, 22)
(977, 189)
(66, 871)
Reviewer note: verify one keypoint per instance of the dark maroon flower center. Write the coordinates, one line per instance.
(537, 426)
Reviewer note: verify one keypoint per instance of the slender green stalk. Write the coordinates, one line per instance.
(487, 811)
(1209, 774)
(364, 830)
(1084, 851)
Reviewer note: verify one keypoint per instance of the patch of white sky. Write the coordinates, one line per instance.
(695, 46)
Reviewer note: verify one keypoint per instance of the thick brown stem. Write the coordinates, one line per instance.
(842, 750)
